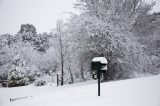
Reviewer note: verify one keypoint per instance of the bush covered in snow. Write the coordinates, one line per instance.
(18, 82)
(39, 82)
(17, 77)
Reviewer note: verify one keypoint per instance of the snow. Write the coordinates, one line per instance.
(100, 59)
(134, 92)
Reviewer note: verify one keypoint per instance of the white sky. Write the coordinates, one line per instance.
(43, 14)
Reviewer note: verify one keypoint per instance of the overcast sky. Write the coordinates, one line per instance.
(41, 13)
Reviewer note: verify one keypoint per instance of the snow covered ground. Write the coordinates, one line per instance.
(134, 92)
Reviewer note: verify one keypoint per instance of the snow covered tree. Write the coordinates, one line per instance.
(6, 53)
(29, 28)
(27, 34)
(147, 31)
(61, 47)
(41, 42)
(104, 28)
(17, 74)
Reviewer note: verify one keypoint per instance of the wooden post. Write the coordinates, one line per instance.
(57, 80)
(52, 78)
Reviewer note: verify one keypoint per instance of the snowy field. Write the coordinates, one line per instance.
(135, 92)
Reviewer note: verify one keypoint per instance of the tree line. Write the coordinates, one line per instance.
(126, 32)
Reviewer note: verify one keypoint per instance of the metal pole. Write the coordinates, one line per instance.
(98, 72)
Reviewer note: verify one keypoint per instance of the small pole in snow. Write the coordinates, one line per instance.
(57, 80)
(98, 72)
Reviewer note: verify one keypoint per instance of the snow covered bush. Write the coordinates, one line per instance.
(16, 77)
(39, 82)
(17, 73)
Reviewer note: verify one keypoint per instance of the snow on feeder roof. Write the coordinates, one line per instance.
(100, 59)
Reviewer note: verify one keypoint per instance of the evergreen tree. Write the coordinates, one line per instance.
(17, 74)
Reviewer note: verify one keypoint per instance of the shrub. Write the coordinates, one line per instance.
(16, 77)
(14, 82)
(39, 83)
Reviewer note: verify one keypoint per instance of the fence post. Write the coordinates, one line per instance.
(57, 80)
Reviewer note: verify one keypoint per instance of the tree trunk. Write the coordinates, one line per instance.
(62, 71)
(72, 79)
(82, 73)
